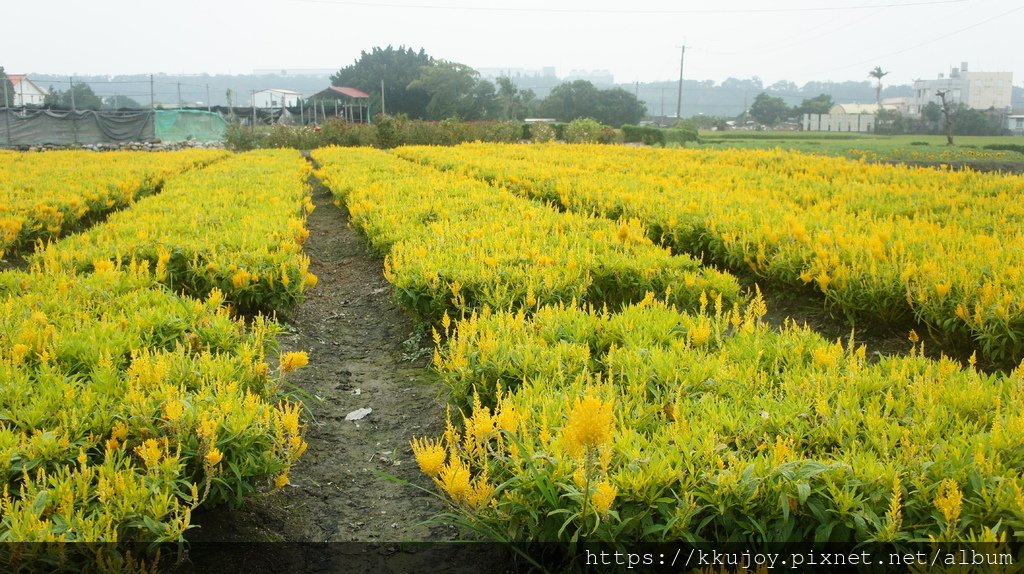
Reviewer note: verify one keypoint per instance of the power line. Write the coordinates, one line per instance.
(630, 11)
(925, 43)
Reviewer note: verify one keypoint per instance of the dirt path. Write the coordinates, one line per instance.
(364, 352)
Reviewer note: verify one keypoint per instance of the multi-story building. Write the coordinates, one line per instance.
(977, 90)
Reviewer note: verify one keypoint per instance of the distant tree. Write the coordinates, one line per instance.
(80, 97)
(6, 87)
(768, 110)
(890, 122)
(398, 68)
(619, 107)
(932, 113)
(120, 103)
(878, 74)
(513, 102)
(571, 100)
(969, 122)
(817, 105)
(784, 86)
(455, 91)
(580, 99)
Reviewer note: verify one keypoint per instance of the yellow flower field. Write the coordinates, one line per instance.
(879, 242)
(45, 194)
(453, 244)
(125, 405)
(237, 226)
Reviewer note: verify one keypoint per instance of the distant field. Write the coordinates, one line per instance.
(908, 148)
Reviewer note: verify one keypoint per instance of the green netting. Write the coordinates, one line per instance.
(181, 125)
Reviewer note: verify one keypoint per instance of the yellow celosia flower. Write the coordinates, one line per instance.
(19, 351)
(591, 424)
(173, 410)
(603, 497)
(949, 500)
(282, 480)
(240, 278)
(214, 457)
(150, 452)
(293, 360)
(309, 280)
(454, 480)
(430, 455)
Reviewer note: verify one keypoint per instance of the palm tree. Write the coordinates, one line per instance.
(877, 74)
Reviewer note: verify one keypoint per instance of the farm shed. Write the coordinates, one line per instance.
(276, 98)
(350, 104)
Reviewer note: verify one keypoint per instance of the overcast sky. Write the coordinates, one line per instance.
(636, 40)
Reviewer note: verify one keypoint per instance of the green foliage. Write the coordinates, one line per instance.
(580, 99)
(121, 103)
(6, 87)
(768, 110)
(816, 105)
(80, 97)
(683, 132)
(397, 68)
(644, 134)
(386, 132)
(456, 91)
(542, 133)
(585, 130)
(1006, 147)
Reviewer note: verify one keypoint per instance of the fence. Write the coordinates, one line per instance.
(42, 127)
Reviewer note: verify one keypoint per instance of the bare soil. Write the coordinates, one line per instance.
(357, 491)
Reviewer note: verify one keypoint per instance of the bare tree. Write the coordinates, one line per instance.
(947, 113)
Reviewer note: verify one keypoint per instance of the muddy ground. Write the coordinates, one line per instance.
(364, 353)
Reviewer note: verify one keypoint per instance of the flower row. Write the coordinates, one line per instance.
(879, 242)
(454, 244)
(237, 226)
(43, 195)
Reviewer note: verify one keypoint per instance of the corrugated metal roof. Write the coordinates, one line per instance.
(350, 92)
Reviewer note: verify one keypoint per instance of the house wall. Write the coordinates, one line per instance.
(863, 123)
(28, 94)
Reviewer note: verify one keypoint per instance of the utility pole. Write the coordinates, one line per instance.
(209, 106)
(74, 120)
(7, 111)
(679, 101)
(383, 111)
(179, 95)
(152, 96)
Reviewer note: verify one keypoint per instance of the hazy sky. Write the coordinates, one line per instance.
(637, 40)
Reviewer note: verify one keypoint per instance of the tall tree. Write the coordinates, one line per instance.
(878, 74)
(397, 69)
(6, 87)
(820, 104)
(80, 97)
(768, 110)
(580, 99)
(455, 91)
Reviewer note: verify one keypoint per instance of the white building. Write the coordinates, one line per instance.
(846, 118)
(26, 92)
(976, 90)
(1015, 123)
(275, 98)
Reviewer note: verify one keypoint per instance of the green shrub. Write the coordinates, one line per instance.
(584, 130)
(643, 134)
(1006, 147)
(542, 133)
